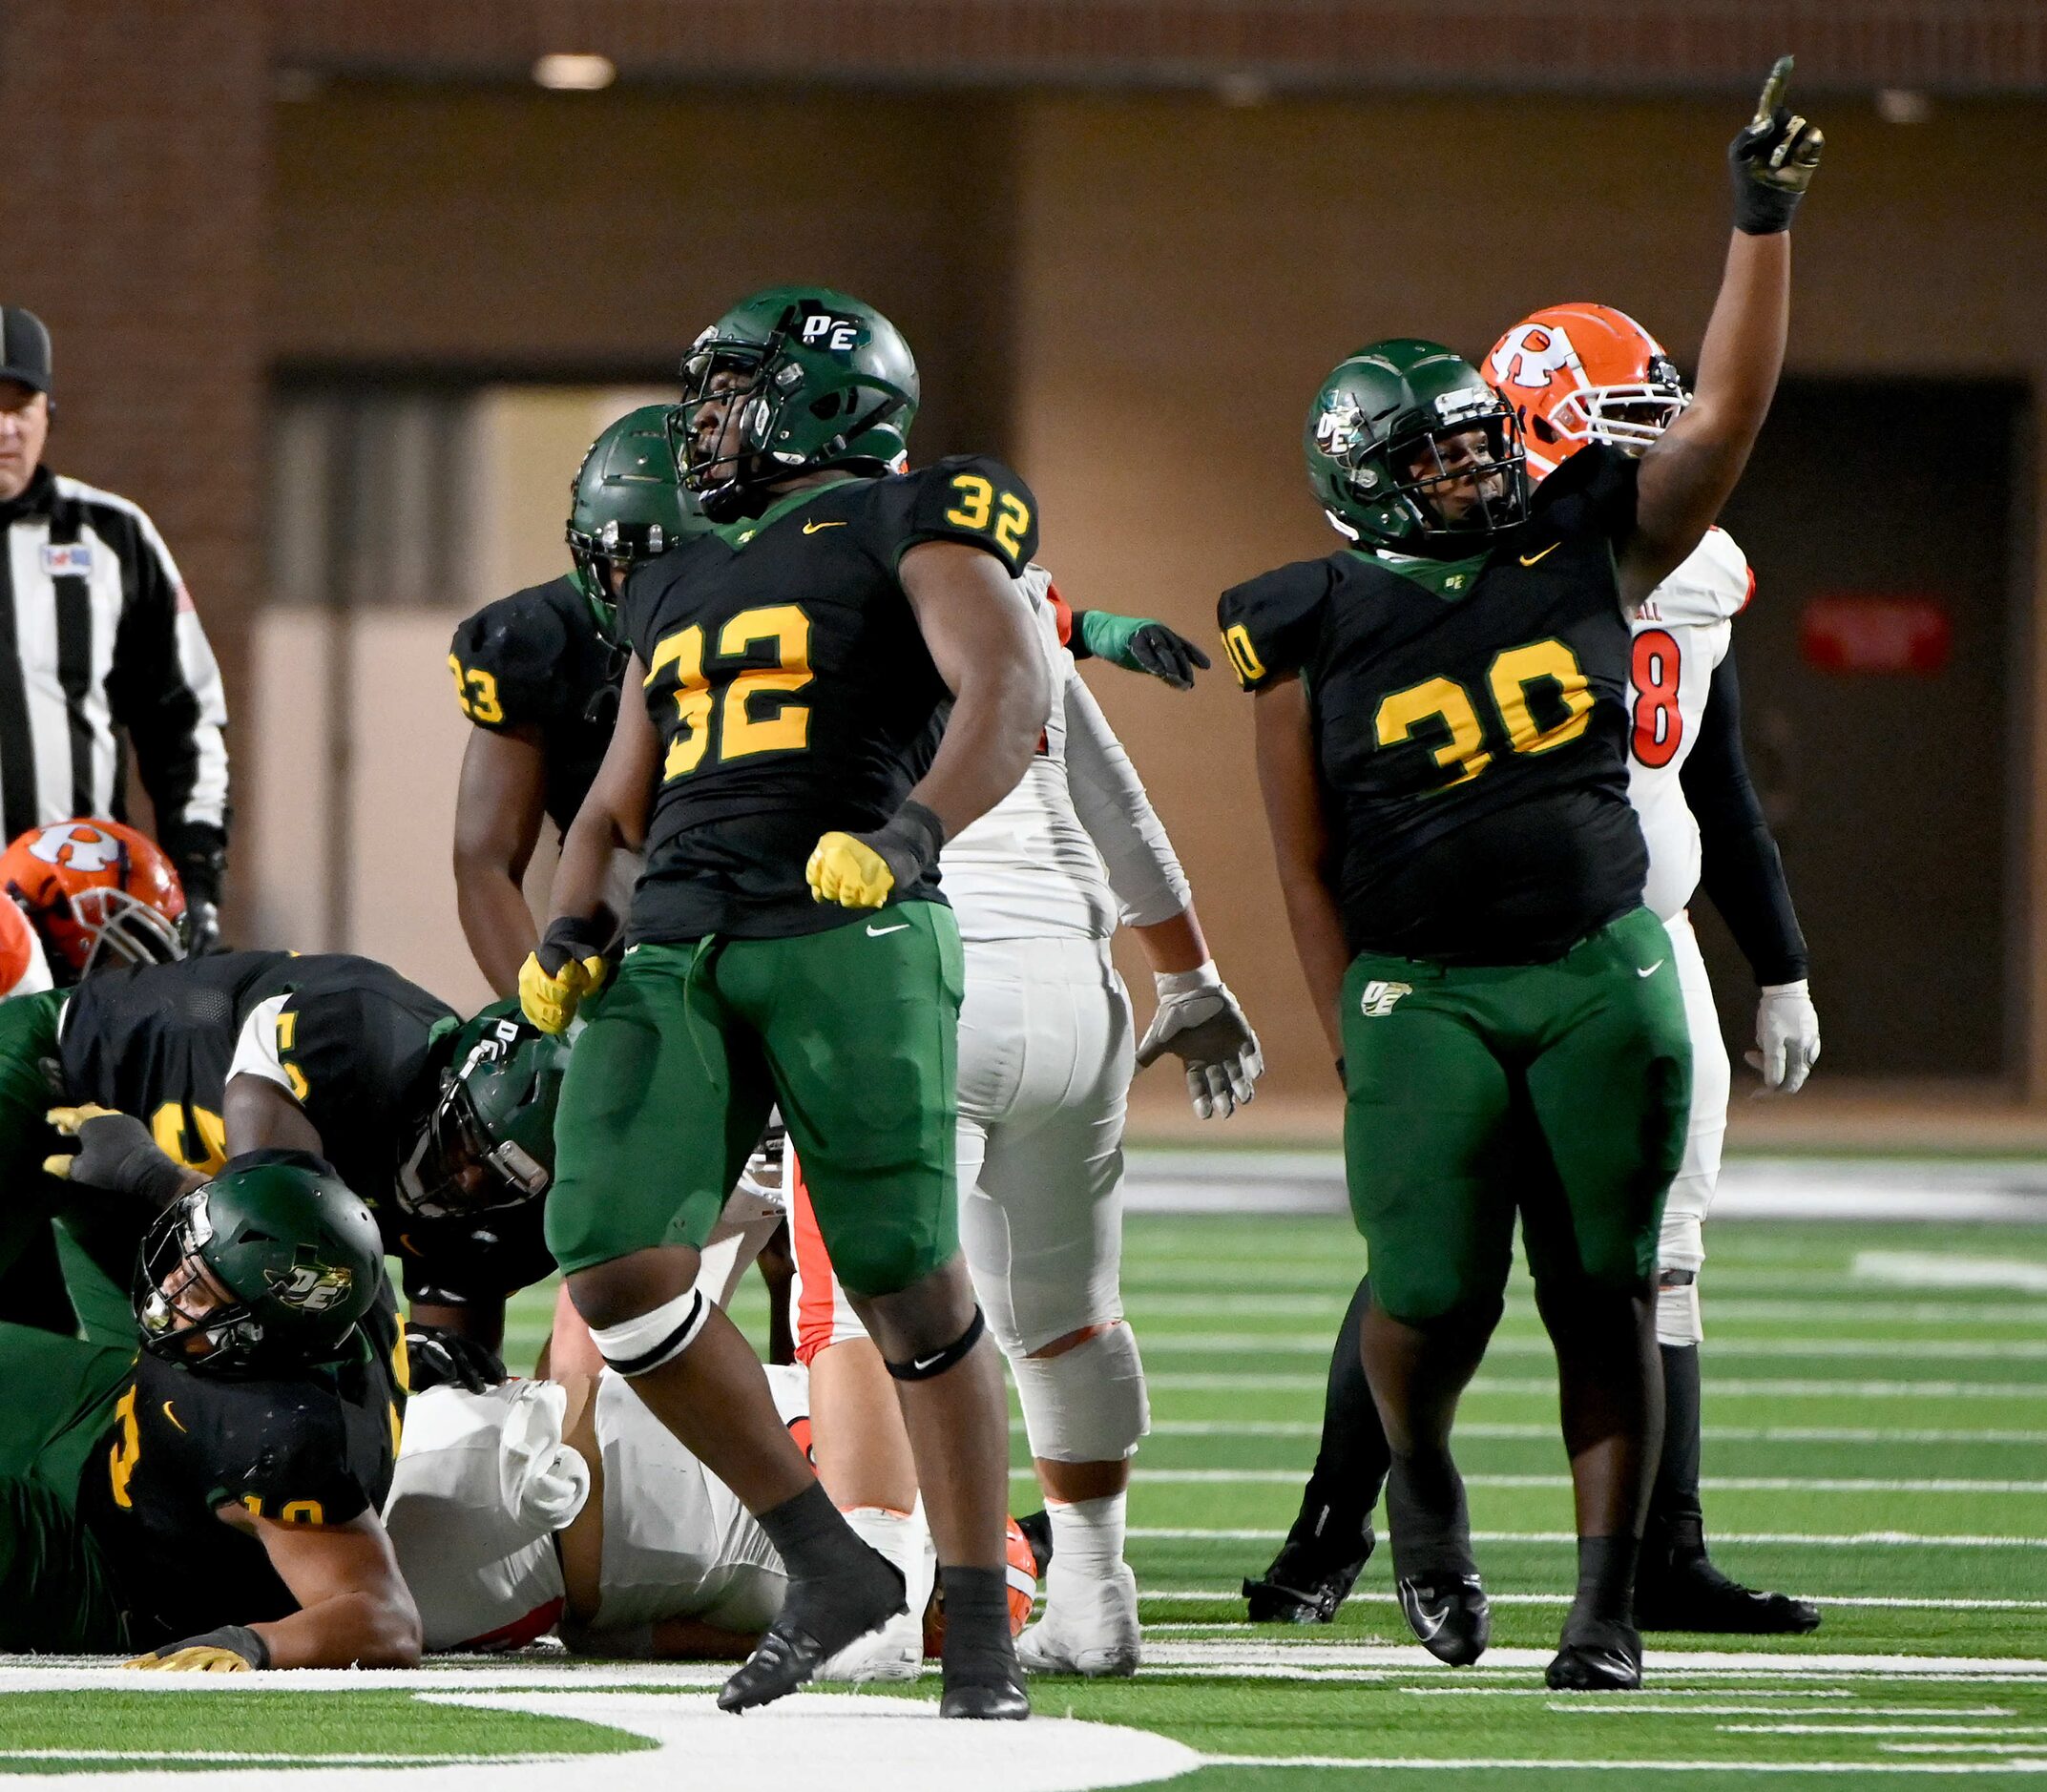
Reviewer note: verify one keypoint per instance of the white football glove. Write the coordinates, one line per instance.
(1198, 1020)
(1787, 1038)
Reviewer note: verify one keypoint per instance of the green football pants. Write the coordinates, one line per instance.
(56, 1593)
(851, 1032)
(1558, 1091)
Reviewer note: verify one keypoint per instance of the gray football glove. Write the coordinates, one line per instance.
(1198, 1020)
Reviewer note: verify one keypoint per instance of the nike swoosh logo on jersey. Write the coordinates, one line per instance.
(172, 1417)
(1529, 559)
(1652, 970)
(811, 528)
(874, 932)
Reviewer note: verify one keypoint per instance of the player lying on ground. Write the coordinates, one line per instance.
(214, 1501)
(1046, 1053)
(1577, 374)
(1463, 878)
(789, 946)
(532, 1507)
(167, 1070)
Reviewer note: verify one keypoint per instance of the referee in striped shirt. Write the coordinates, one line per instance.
(99, 645)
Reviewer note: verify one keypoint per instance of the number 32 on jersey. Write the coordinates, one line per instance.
(731, 716)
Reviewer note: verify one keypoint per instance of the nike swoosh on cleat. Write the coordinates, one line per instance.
(1529, 559)
(1427, 1624)
(874, 932)
(811, 528)
(1652, 970)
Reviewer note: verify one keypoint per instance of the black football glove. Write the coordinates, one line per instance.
(115, 1153)
(437, 1356)
(202, 929)
(232, 1649)
(1140, 644)
(1772, 159)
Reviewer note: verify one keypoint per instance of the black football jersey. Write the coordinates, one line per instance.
(364, 1049)
(313, 1447)
(1471, 725)
(792, 691)
(536, 660)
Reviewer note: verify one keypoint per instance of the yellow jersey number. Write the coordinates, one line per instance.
(782, 725)
(476, 693)
(195, 1137)
(1508, 681)
(981, 505)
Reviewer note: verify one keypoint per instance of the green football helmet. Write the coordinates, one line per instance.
(295, 1253)
(812, 379)
(1375, 443)
(489, 1143)
(626, 504)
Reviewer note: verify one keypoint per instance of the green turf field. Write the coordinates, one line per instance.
(1876, 1440)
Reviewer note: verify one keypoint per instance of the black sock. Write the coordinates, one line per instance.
(977, 1615)
(810, 1534)
(1677, 1523)
(1426, 1509)
(1606, 1578)
(1351, 1464)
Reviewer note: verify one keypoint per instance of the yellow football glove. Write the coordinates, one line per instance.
(232, 1649)
(68, 1121)
(864, 871)
(567, 965)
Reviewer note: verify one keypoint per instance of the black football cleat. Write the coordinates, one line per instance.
(1449, 1613)
(819, 1616)
(1595, 1656)
(1690, 1593)
(1304, 1585)
(984, 1697)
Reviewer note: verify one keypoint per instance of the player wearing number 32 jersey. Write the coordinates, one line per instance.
(788, 944)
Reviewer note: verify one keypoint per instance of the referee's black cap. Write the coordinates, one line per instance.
(24, 348)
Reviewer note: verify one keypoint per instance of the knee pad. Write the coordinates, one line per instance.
(637, 1346)
(922, 1365)
(1676, 1307)
(1086, 1404)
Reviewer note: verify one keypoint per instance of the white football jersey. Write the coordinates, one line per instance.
(1681, 632)
(1028, 868)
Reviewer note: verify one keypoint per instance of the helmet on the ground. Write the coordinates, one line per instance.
(269, 1265)
(810, 377)
(99, 894)
(626, 504)
(1019, 1568)
(1580, 373)
(1375, 444)
(489, 1142)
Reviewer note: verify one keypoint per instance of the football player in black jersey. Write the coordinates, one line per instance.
(788, 943)
(538, 675)
(214, 1501)
(1441, 727)
(164, 1072)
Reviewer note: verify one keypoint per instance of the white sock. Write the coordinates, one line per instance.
(1087, 1535)
(904, 1540)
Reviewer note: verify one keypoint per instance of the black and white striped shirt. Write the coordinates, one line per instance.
(99, 643)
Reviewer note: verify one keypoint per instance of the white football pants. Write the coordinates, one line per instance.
(1681, 1246)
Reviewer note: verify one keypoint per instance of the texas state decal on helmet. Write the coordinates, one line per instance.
(98, 892)
(1580, 373)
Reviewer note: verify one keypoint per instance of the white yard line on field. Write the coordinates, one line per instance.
(1933, 1269)
(1713, 1433)
(1712, 1484)
(1158, 1342)
(1724, 1387)
(1852, 1540)
(1883, 1729)
(1390, 1763)
(1195, 1596)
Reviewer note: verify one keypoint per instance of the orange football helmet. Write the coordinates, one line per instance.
(24, 969)
(1580, 373)
(99, 894)
(1021, 1571)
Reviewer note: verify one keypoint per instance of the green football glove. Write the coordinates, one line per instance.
(1140, 644)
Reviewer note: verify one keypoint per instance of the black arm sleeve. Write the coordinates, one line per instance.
(1740, 865)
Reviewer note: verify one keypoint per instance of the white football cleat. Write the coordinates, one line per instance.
(1090, 1626)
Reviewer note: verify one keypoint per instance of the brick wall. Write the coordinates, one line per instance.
(131, 202)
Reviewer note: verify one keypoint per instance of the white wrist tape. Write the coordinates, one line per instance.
(1785, 989)
(1171, 984)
